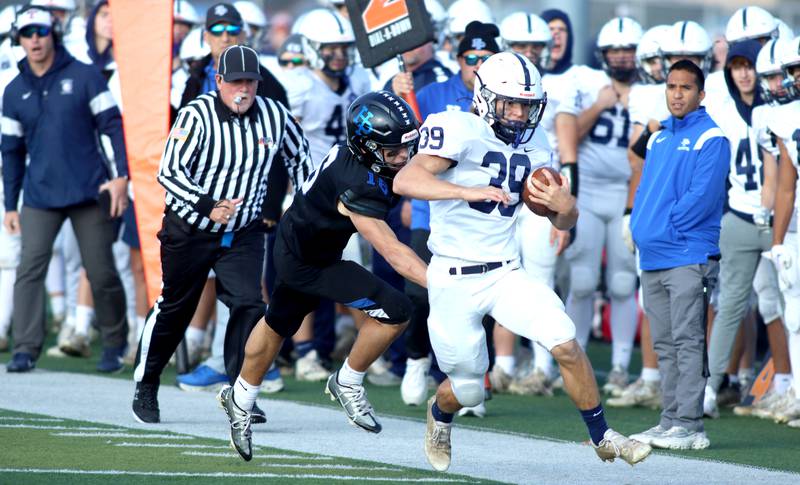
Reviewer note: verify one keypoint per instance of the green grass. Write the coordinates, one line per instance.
(43, 449)
(747, 441)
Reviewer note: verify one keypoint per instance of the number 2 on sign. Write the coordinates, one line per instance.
(380, 13)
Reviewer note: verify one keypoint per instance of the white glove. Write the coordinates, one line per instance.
(627, 235)
(781, 256)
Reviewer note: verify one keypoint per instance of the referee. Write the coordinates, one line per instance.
(214, 169)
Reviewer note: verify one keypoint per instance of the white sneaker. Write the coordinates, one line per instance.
(710, 408)
(795, 423)
(680, 438)
(437, 441)
(500, 379)
(788, 412)
(77, 345)
(478, 411)
(771, 404)
(647, 437)
(414, 388)
(615, 445)
(616, 381)
(308, 368)
(639, 393)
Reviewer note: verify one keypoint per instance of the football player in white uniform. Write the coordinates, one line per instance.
(783, 123)
(473, 169)
(746, 227)
(540, 242)
(603, 170)
(320, 94)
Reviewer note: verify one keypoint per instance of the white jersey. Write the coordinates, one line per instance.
(648, 102)
(562, 97)
(179, 78)
(784, 123)
(746, 173)
(716, 88)
(764, 137)
(603, 153)
(477, 231)
(321, 111)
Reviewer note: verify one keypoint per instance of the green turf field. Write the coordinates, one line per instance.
(52, 450)
(748, 441)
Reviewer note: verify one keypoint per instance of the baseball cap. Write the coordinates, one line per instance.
(33, 16)
(479, 36)
(223, 12)
(239, 62)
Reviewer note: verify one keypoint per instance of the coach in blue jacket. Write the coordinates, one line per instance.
(52, 112)
(675, 224)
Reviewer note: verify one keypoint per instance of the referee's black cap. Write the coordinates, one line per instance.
(239, 62)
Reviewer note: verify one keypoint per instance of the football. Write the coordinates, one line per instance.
(539, 209)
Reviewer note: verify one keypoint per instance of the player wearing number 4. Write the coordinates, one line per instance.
(603, 170)
(320, 94)
(473, 169)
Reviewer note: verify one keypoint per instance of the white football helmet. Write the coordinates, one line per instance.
(251, 13)
(509, 77)
(183, 11)
(68, 5)
(650, 48)
(323, 26)
(7, 17)
(525, 28)
(194, 46)
(460, 14)
(438, 16)
(619, 33)
(689, 38)
(790, 61)
(750, 23)
(784, 31)
(768, 64)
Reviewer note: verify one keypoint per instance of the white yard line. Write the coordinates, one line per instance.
(323, 431)
(32, 420)
(57, 428)
(259, 455)
(121, 435)
(306, 476)
(169, 445)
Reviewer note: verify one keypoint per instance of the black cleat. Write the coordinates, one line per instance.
(145, 403)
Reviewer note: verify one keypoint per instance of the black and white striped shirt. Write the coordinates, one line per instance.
(213, 154)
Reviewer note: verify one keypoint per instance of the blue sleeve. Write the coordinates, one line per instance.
(107, 118)
(707, 187)
(14, 151)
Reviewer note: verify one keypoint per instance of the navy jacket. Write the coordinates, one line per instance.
(55, 119)
(678, 205)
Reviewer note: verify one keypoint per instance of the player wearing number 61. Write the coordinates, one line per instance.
(472, 169)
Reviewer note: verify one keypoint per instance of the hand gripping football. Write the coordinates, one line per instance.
(539, 209)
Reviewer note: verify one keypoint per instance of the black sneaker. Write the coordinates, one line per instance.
(145, 403)
(111, 360)
(257, 415)
(21, 362)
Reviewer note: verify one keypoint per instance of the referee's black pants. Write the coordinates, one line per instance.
(187, 256)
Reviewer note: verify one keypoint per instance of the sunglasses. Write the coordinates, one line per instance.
(472, 59)
(218, 29)
(30, 30)
(295, 61)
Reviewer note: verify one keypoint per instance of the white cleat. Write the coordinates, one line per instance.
(615, 445)
(414, 388)
(308, 368)
(437, 441)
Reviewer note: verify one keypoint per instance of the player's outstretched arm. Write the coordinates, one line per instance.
(383, 239)
(418, 180)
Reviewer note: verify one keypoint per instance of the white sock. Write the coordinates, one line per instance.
(542, 359)
(244, 394)
(781, 383)
(196, 335)
(733, 378)
(650, 375)
(794, 358)
(58, 305)
(349, 377)
(7, 278)
(506, 362)
(83, 319)
(623, 330)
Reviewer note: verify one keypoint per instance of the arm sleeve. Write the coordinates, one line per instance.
(183, 144)
(706, 187)
(14, 151)
(108, 120)
(294, 149)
